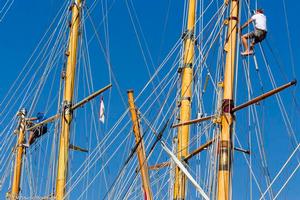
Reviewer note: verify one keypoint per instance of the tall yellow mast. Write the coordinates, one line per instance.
(185, 104)
(19, 157)
(66, 118)
(225, 143)
(140, 149)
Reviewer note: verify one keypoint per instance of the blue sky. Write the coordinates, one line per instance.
(26, 22)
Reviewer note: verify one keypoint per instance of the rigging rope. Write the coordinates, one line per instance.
(5, 9)
(282, 168)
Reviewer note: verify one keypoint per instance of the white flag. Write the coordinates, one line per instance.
(101, 113)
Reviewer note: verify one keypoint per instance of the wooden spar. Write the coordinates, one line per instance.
(15, 189)
(66, 119)
(195, 152)
(46, 121)
(159, 166)
(263, 96)
(75, 106)
(201, 148)
(87, 99)
(225, 142)
(194, 121)
(140, 149)
(185, 104)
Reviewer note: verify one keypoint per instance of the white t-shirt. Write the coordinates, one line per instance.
(260, 21)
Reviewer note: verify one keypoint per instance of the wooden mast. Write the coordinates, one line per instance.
(66, 118)
(19, 157)
(185, 104)
(140, 149)
(225, 143)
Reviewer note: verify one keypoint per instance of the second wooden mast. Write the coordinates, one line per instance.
(185, 103)
(66, 119)
(225, 142)
(140, 150)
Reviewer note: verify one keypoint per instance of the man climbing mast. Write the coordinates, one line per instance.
(259, 33)
(36, 132)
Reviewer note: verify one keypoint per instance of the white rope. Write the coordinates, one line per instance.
(286, 182)
(280, 171)
(184, 170)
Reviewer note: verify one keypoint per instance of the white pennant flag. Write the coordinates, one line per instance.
(101, 113)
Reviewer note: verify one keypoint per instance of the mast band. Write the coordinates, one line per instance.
(233, 18)
(186, 98)
(67, 108)
(188, 34)
(188, 65)
(227, 105)
(225, 152)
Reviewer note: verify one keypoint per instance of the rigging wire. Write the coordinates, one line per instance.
(281, 105)
(281, 169)
(258, 130)
(7, 6)
(286, 182)
(289, 39)
(62, 9)
(290, 131)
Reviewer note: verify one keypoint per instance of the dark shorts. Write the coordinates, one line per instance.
(39, 131)
(258, 35)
